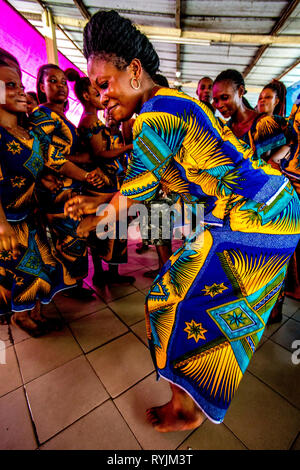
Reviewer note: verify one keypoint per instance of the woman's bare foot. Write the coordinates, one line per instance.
(45, 323)
(23, 321)
(180, 414)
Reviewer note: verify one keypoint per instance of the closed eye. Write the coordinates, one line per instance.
(103, 85)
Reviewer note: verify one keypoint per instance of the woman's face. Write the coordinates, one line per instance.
(15, 97)
(204, 90)
(116, 93)
(31, 103)
(226, 98)
(267, 101)
(55, 86)
(94, 97)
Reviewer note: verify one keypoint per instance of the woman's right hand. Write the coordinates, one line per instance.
(8, 239)
(52, 182)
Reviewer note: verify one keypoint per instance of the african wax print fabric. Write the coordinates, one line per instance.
(207, 309)
(35, 274)
(291, 169)
(267, 134)
(111, 250)
(59, 137)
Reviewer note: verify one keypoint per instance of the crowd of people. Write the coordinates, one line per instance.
(211, 299)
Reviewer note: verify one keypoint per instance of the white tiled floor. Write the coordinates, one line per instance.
(88, 386)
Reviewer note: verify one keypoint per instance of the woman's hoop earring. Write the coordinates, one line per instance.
(138, 83)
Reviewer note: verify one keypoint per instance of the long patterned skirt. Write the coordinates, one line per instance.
(70, 249)
(34, 275)
(207, 309)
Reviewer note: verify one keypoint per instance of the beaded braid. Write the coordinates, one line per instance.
(113, 37)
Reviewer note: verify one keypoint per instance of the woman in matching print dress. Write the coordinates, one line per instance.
(50, 123)
(29, 274)
(207, 309)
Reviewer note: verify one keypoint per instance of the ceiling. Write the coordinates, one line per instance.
(193, 38)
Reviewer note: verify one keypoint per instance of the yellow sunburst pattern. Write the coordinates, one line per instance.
(215, 371)
(251, 272)
(174, 284)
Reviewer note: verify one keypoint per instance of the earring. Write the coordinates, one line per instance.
(138, 83)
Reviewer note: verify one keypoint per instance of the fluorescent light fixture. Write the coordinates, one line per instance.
(179, 40)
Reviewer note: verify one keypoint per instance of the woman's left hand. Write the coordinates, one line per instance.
(96, 178)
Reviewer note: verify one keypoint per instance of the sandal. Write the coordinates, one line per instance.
(35, 331)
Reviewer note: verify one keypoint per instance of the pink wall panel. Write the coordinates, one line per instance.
(21, 39)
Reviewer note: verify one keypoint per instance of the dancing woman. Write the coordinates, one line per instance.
(54, 130)
(105, 152)
(29, 275)
(207, 309)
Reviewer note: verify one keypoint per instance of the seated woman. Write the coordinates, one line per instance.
(207, 309)
(29, 275)
(50, 123)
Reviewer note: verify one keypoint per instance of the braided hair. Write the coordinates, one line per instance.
(42, 71)
(236, 78)
(114, 38)
(82, 84)
(10, 60)
(280, 91)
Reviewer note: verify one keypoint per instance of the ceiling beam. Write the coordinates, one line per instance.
(82, 8)
(68, 37)
(182, 37)
(275, 30)
(291, 67)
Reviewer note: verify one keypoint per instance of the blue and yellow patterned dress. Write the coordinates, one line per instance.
(207, 309)
(291, 168)
(113, 251)
(57, 134)
(35, 274)
(267, 133)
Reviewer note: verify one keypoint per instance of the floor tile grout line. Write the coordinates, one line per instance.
(294, 441)
(83, 353)
(133, 385)
(131, 430)
(236, 436)
(279, 344)
(76, 420)
(275, 391)
(26, 398)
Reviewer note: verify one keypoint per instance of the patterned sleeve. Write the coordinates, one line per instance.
(270, 133)
(53, 148)
(157, 137)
